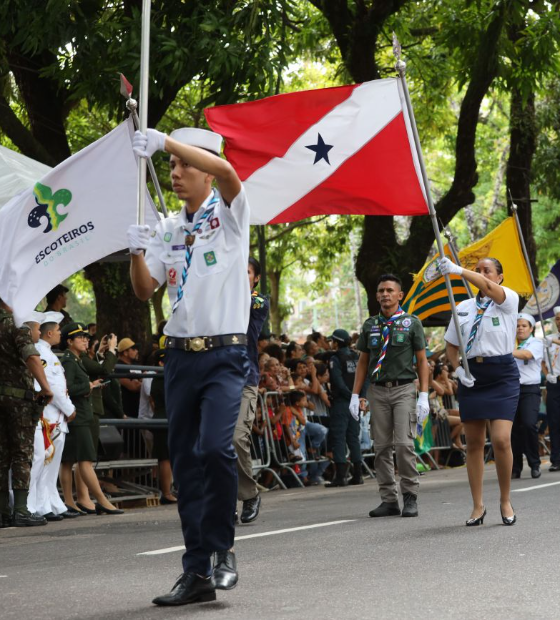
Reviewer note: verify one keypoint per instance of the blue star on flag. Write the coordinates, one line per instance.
(321, 150)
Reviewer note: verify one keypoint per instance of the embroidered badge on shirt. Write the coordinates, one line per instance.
(400, 338)
(463, 313)
(172, 277)
(189, 239)
(406, 322)
(495, 321)
(373, 341)
(178, 247)
(44, 363)
(210, 258)
(167, 237)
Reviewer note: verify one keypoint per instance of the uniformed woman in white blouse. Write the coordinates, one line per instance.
(524, 437)
(488, 325)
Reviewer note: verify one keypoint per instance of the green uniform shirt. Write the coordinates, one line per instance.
(96, 370)
(79, 390)
(405, 338)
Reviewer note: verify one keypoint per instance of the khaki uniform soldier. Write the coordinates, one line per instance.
(19, 413)
(388, 344)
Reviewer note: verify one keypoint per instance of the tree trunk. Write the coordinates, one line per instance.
(275, 314)
(118, 309)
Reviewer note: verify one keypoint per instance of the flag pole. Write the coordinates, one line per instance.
(401, 69)
(144, 77)
(453, 248)
(533, 283)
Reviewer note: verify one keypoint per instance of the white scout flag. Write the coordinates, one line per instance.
(75, 215)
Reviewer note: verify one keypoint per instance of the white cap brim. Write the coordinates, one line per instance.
(52, 317)
(202, 138)
(34, 317)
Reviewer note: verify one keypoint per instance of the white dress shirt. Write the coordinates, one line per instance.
(216, 299)
(554, 354)
(497, 330)
(530, 370)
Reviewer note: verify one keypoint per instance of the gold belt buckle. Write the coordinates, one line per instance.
(197, 344)
(479, 359)
(389, 384)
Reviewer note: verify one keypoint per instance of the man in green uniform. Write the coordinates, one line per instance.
(20, 362)
(388, 343)
(344, 429)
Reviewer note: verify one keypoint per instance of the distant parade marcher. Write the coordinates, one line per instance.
(56, 302)
(51, 431)
(202, 254)
(524, 435)
(248, 492)
(388, 343)
(20, 410)
(488, 326)
(553, 394)
(344, 429)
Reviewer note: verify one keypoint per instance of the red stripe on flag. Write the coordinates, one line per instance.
(257, 131)
(381, 178)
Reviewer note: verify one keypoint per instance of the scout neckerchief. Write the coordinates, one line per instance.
(190, 249)
(481, 308)
(521, 345)
(385, 334)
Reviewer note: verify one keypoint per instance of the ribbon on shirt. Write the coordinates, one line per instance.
(385, 335)
(480, 310)
(190, 249)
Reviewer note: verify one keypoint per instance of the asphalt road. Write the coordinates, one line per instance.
(352, 567)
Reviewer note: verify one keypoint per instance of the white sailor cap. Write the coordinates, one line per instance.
(527, 317)
(202, 138)
(556, 310)
(34, 317)
(52, 317)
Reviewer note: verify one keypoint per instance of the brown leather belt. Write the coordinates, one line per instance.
(205, 343)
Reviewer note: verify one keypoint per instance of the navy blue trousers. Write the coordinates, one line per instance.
(202, 398)
(344, 430)
(524, 434)
(553, 415)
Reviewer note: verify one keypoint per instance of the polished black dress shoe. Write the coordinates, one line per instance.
(5, 520)
(225, 570)
(474, 521)
(251, 509)
(189, 588)
(50, 516)
(386, 509)
(26, 519)
(164, 501)
(101, 510)
(535, 472)
(508, 520)
(88, 511)
(72, 512)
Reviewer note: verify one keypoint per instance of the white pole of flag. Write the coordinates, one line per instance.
(401, 69)
(453, 248)
(144, 82)
(533, 283)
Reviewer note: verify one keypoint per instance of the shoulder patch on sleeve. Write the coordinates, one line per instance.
(43, 363)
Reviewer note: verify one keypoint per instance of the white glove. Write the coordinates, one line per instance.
(355, 407)
(147, 145)
(552, 378)
(462, 376)
(138, 236)
(422, 407)
(446, 266)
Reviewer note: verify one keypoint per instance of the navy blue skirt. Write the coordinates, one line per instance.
(495, 394)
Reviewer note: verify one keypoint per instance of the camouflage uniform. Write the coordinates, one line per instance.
(19, 414)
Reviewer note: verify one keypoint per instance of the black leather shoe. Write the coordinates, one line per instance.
(189, 588)
(225, 570)
(554, 467)
(101, 510)
(535, 472)
(5, 520)
(251, 509)
(70, 514)
(22, 519)
(515, 474)
(50, 516)
(88, 511)
(356, 480)
(386, 509)
(410, 508)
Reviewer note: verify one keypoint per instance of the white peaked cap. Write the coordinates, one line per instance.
(202, 138)
(34, 317)
(52, 317)
(527, 317)
(556, 310)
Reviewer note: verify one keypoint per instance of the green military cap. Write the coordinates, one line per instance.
(74, 329)
(341, 335)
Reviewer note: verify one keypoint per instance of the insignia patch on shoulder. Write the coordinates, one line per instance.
(153, 234)
(44, 363)
(406, 322)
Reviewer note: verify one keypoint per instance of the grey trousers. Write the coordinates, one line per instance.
(247, 487)
(393, 419)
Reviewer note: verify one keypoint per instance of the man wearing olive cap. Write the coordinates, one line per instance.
(202, 255)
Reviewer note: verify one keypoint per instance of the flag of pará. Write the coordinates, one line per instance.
(76, 214)
(346, 150)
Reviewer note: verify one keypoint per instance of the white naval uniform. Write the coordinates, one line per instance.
(210, 306)
(530, 370)
(497, 330)
(43, 494)
(554, 355)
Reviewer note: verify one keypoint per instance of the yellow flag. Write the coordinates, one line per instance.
(428, 294)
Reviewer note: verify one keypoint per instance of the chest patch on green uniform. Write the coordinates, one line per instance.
(400, 338)
(210, 258)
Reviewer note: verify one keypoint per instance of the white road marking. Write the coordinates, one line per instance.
(260, 535)
(538, 486)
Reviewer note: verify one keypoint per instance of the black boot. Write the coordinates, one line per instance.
(410, 508)
(357, 477)
(339, 479)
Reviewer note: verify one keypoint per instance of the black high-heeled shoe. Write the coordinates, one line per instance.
(88, 511)
(508, 520)
(101, 510)
(478, 520)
